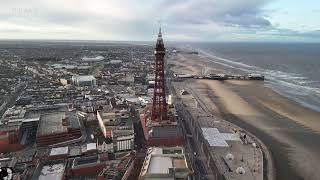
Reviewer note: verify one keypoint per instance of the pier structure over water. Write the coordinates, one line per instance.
(221, 77)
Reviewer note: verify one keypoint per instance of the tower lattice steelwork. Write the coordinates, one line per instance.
(159, 106)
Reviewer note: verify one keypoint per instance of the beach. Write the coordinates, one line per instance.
(290, 131)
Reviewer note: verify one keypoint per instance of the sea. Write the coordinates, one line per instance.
(291, 69)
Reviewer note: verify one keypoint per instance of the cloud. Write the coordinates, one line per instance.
(137, 19)
(228, 13)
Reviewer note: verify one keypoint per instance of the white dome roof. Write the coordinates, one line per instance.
(229, 156)
(240, 170)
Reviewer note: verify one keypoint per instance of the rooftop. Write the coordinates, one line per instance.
(59, 151)
(84, 77)
(91, 146)
(52, 123)
(97, 58)
(85, 161)
(116, 118)
(160, 165)
(115, 61)
(217, 139)
(52, 172)
(161, 161)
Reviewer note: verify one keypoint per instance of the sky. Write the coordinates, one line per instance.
(181, 20)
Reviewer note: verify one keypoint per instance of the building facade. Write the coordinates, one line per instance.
(84, 80)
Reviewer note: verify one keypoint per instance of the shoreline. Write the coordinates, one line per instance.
(283, 125)
(279, 103)
(270, 170)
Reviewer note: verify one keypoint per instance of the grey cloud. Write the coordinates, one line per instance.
(245, 13)
(246, 21)
(195, 19)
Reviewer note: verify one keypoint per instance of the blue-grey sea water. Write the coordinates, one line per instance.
(291, 69)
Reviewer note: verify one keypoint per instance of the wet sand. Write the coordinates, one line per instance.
(290, 131)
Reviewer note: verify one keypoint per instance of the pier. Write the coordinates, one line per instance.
(222, 77)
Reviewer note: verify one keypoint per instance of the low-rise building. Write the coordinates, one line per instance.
(87, 165)
(10, 137)
(59, 153)
(56, 127)
(51, 172)
(105, 145)
(117, 126)
(84, 80)
(165, 163)
(90, 148)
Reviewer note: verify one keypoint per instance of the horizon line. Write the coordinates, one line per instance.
(169, 41)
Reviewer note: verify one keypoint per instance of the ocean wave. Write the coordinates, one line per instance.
(214, 60)
(291, 80)
(294, 88)
(225, 60)
(292, 85)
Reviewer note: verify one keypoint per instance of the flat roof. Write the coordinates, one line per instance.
(52, 172)
(97, 58)
(51, 123)
(59, 151)
(91, 146)
(160, 160)
(115, 61)
(85, 78)
(85, 161)
(160, 165)
(116, 118)
(179, 163)
(217, 139)
(75, 151)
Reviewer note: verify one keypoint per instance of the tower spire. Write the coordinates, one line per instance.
(160, 33)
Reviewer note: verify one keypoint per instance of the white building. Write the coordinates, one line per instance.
(115, 62)
(84, 80)
(118, 127)
(92, 59)
(52, 172)
(103, 146)
(165, 163)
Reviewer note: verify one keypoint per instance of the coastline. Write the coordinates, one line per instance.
(283, 125)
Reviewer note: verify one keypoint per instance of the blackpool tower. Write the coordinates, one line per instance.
(159, 106)
(160, 127)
